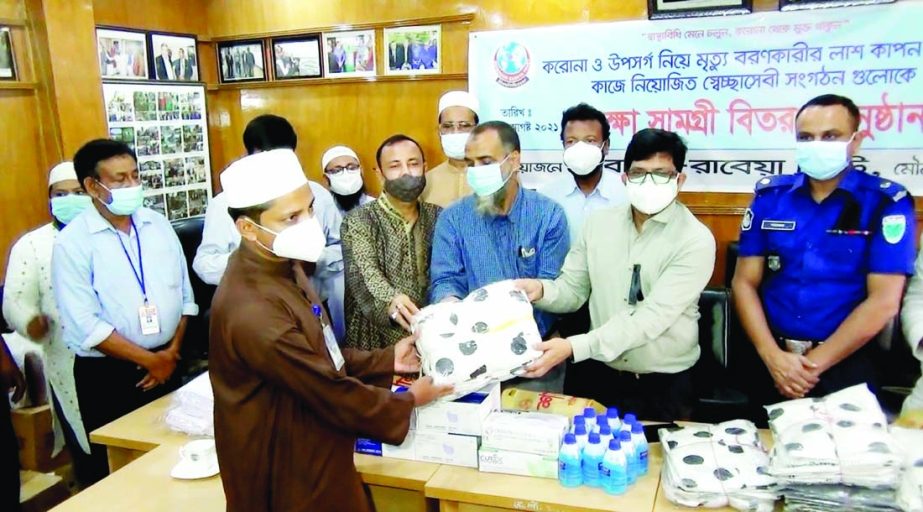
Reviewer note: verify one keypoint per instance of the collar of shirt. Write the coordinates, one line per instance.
(515, 210)
(389, 209)
(97, 223)
(252, 260)
(663, 217)
(849, 183)
(602, 188)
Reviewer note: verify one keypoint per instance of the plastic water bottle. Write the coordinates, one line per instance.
(640, 442)
(615, 469)
(612, 415)
(593, 455)
(581, 435)
(578, 420)
(570, 473)
(605, 433)
(631, 457)
(628, 421)
(589, 414)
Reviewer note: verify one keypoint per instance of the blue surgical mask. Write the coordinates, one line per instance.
(487, 179)
(65, 208)
(822, 159)
(124, 201)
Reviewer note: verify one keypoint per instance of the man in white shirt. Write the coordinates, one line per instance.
(344, 175)
(29, 305)
(220, 237)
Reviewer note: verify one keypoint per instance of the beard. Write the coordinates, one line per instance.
(492, 205)
(349, 202)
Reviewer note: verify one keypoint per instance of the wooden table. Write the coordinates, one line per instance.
(395, 485)
(468, 490)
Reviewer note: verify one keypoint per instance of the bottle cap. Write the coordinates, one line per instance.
(615, 445)
(579, 420)
(612, 412)
(570, 439)
(589, 412)
(605, 430)
(580, 430)
(594, 438)
(630, 418)
(637, 428)
(625, 436)
(602, 420)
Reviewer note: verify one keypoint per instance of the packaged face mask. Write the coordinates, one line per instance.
(488, 336)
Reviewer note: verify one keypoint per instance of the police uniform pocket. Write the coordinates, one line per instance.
(844, 254)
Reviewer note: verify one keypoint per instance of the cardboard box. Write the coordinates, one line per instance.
(464, 416)
(523, 400)
(517, 463)
(36, 439)
(452, 449)
(372, 447)
(405, 450)
(528, 432)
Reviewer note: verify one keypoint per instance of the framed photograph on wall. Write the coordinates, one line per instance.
(348, 54)
(797, 5)
(414, 50)
(296, 57)
(7, 59)
(241, 61)
(175, 57)
(122, 54)
(662, 9)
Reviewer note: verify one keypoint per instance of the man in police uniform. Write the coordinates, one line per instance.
(824, 254)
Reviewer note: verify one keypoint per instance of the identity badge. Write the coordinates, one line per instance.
(333, 347)
(150, 321)
(774, 262)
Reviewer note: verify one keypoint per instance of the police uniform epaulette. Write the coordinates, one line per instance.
(780, 180)
(894, 190)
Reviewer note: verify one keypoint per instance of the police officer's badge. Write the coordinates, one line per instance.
(774, 262)
(747, 222)
(893, 228)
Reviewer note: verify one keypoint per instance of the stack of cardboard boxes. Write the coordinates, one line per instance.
(522, 443)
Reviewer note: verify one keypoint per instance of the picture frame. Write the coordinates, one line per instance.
(413, 50)
(296, 57)
(122, 53)
(798, 5)
(7, 56)
(669, 9)
(349, 54)
(241, 61)
(174, 57)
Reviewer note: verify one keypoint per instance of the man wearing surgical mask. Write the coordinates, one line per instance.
(344, 176)
(386, 247)
(642, 267)
(587, 186)
(458, 115)
(122, 288)
(29, 305)
(824, 256)
(501, 232)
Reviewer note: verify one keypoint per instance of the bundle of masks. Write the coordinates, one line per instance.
(192, 411)
(488, 336)
(717, 466)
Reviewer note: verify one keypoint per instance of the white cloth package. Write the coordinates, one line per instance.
(910, 490)
(838, 439)
(488, 336)
(192, 410)
(717, 466)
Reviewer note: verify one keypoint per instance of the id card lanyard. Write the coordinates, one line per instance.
(147, 313)
(329, 339)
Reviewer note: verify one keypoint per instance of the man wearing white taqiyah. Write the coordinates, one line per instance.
(448, 181)
(344, 175)
(30, 308)
(220, 238)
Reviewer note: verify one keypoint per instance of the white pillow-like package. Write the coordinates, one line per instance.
(488, 336)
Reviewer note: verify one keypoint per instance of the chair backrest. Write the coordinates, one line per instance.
(189, 232)
(714, 311)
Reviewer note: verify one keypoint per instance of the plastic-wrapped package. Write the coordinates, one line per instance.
(488, 336)
(824, 498)
(192, 409)
(838, 439)
(717, 466)
(910, 490)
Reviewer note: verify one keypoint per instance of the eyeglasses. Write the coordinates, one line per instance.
(659, 177)
(463, 127)
(333, 171)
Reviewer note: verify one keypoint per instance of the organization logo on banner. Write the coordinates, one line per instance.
(512, 64)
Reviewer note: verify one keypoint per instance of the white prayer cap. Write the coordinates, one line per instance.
(336, 152)
(62, 172)
(262, 177)
(459, 99)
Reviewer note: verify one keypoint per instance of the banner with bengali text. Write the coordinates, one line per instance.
(730, 86)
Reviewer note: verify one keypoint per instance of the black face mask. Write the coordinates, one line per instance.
(406, 188)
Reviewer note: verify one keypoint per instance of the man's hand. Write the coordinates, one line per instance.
(38, 327)
(10, 376)
(401, 310)
(160, 366)
(795, 375)
(424, 391)
(555, 351)
(406, 359)
(533, 288)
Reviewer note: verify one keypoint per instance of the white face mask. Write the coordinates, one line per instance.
(346, 182)
(822, 159)
(453, 145)
(304, 241)
(650, 198)
(487, 179)
(582, 158)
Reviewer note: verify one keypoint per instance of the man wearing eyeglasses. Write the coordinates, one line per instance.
(642, 266)
(447, 182)
(344, 175)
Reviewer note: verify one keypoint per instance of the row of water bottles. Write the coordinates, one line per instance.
(603, 451)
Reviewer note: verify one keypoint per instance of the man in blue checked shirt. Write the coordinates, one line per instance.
(122, 288)
(502, 231)
(824, 255)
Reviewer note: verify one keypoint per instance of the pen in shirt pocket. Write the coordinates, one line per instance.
(526, 252)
